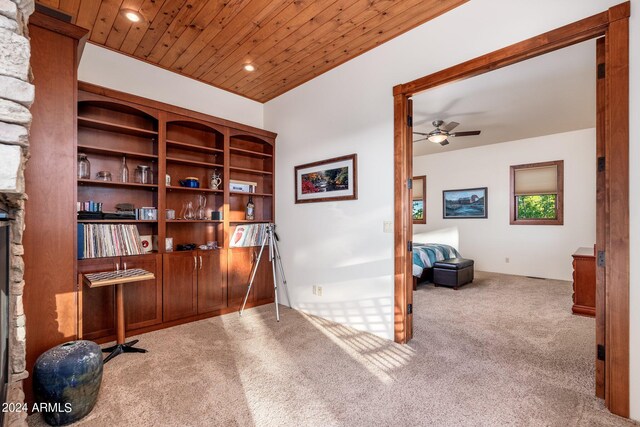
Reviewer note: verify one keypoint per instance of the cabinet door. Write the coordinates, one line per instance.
(264, 279)
(240, 264)
(212, 288)
(143, 300)
(180, 287)
(98, 304)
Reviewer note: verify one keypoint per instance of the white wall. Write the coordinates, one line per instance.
(533, 250)
(349, 109)
(110, 69)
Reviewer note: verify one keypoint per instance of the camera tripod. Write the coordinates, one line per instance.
(270, 239)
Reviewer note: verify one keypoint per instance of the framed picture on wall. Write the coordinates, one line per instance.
(327, 180)
(467, 203)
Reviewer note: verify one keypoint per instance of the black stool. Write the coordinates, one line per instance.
(453, 272)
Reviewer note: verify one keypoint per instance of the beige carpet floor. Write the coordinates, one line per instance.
(504, 350)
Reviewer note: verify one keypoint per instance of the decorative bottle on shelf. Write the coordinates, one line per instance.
(124, 170)
(84, 167)
(202, 204)
(250, 210)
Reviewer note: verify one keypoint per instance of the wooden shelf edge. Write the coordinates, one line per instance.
(114, 127)
(194, 221)
(194, 147)
(116, 221)
(199, 189)
(97, 183)
(249, 152)
(119, 153)
(244, 193)
(193, 162)
(251, 171)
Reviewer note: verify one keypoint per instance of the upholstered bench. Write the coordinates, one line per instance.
(453, 272)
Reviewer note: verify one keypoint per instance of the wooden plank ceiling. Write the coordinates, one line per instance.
(288, 41)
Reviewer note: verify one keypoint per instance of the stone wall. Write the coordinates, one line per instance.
(16, 96)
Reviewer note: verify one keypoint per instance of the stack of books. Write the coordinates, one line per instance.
(248, 235)
(108, 240)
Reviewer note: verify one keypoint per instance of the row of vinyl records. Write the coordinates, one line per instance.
(248, 235)
(108, 240)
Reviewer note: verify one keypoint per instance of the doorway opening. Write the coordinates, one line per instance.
(612, 314)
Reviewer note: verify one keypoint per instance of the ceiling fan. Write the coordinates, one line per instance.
(441, 133)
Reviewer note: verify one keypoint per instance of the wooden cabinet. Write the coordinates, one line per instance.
(241, 263)
(180, 296)
(142, 300)
(212, 288)
(584, 282)
(97, 305)
(239, 272)
(194, 283)
(264, 279)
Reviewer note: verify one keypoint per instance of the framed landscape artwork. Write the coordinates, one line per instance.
(467, 203)
(327, 180)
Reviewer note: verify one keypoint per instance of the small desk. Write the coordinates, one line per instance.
(118, 279)
(584, 282)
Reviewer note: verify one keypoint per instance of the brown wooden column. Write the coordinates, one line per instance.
(617, 204)
(50, 178)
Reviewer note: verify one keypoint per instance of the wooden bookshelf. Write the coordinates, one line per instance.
(189, 285)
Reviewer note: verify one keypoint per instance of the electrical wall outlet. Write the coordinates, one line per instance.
(387, 226)
(319, 291)
(315, 290)
(506, 260)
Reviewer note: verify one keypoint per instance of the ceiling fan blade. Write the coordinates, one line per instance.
(466, 133)
(445, 142)
(418, 140)
(450, 126)
(421, 133)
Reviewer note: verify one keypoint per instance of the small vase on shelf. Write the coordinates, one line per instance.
(84, 167)
(215, 181)
(124, 170)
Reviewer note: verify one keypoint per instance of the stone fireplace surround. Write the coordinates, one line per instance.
(16, 96)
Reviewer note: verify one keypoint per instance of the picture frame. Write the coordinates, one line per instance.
(465, 203)
(327, 180)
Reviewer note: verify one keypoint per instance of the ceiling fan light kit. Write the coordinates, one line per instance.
(437, 138)
(441, 133)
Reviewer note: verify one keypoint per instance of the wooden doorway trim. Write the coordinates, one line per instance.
(613, 24)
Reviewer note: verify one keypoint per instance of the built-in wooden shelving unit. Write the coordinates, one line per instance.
(175, 144)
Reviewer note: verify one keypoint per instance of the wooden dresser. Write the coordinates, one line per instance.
(584, 282)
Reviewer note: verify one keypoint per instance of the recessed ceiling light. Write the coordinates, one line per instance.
(132, 15)
(249, 67)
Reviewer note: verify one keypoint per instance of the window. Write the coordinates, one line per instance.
(419, 186)
(537, 193)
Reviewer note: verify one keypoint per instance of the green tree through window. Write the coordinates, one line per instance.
(542, 206)
(418, 209)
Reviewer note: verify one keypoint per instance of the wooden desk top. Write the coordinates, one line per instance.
(108, 278)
